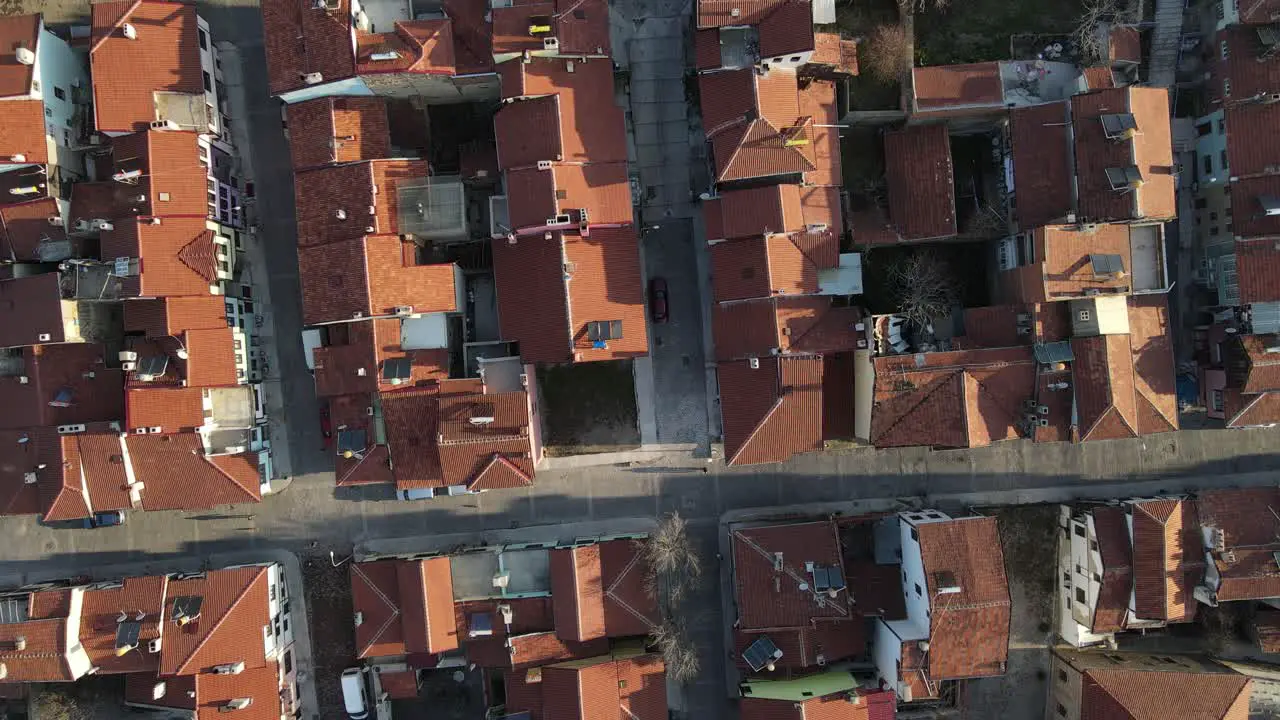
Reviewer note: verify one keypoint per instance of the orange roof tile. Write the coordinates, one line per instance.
(173, 409)
(177, 256)
(1247, 530)
(421, 47)
(761, 211)
(406, 607)
(31, 310)
(173, 181)
(368, 277)
(22, 132)
(1165, 545)
(26, 233)
(957, 86)
(764, 603)
(179, 476)
(577, 593)
(18, 31)
(1041, 163)
(605, 687)
(338, 130)
(1150, 150)
(1148, 695)
(176, 315)
(164, 58)
(43, 659)
(300, 39)
(340, 202)
(260, 685)
(98, 623)
(921, 191)
(772, 412)
(1258, 264)
(605, 284)
(229, 627)
(528, 131)
(411, 417)
(532, 302)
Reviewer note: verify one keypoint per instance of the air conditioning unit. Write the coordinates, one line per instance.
(129, 31)
(44, 337)
(70, 429)
(544, 164)
(229, 669)
(404, 310)
(501, 579)
(106, 226)
(18, 158)
(154, 429)
(552, 44)
(55, 220)
(357, 315)
(25, 56)
(153, 646)
(754, 363)
(127, 355)
(313, 78)
(29, 478)
(505, 612)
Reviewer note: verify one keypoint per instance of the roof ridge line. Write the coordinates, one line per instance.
(625, 605)
(234, 604)
(115, 26)
(395, 610)
(922, 400)
(754, 431)
(785, 568)
(228, 476)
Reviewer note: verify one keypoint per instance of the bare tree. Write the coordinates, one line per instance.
(672, 565)
(907, 7)
(922, 287)
(679, 654)
(1090, 34)
(882, 53)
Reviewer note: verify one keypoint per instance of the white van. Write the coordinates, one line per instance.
(354, 697)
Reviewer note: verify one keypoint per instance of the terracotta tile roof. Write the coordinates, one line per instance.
(706, 49)
(744, 329)
(339, 202)
(822, 206)
(957, 86)
(164, 58)
(101, 200)
(1258, 264)
(179, 690)
(919, 397)
(528, 131)
(472, 36)
(990, 327)
(86, 473)
(26, 233)
(1099, 77)
(875, 705)
(370, 276)
(739, 270)
(831, 49)
(831, 639)
(400, 684)
(602, 189)
(61, 494)
(1124, 44)
(17, 496)
(1263, 365)
(338, 366)
(174, 316)
(605, 688)
(837, 396)
(1244, 74)
(74, 369)
(176, 255)
(750, 121)
(826, 158)
(173, 409)
(31, 307)
(18, 31)
(922, 199)
(969, 630)
(22, 131)
(300, 39)
(423, 47)
(758, 148)
(1266, 627)
(173, 176)
(1249, 219)
(411, 418)
(1112, 606)
(1248, 571)
(605, 284)
(590, 130)
(261, 685)
(577, 593)
(799, 325)
(582, 28)
(338, 130)
(1150, 150)
(1066, 265)
(523, 692)
(1251, 410)
(718, 13)
(788, 29)
(1164, 545)
(44, 657)
(211, 357)
(1148, 695)
(487, 457)
(532, 303)
(179, 476)
(229, 627)
(767, 600)
(1042, 163)
(406, 607)
(167, 349)
(773, 412)
(761, 211)
(726, 97)
(98, 623)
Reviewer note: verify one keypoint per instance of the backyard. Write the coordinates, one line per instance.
(980, 30)
(328, 592)
(588, 407)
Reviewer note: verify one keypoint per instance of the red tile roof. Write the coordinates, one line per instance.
(739, 270)
(968, 630)
(922, 201)
(581, 28)
(577, 593)
(1258, 264)
(177, 256)
(1244, 74)
(406, 606)
(174, 316)
(606, 688)
(787, 30)
(917, 404)
(831, 49)
(754, 124)
(528, 131)
(422, 47)
(957, 86)
(1165, 549)
(179, 476)
(1066, 267)
(338, 130)
(173, 409)
(1249, 219)
(368, 277)
(88, 473)
(1150, 150)
(229, 627)
(758, 328)
(604, 283)
(602, 189)
(99, 623)
(165, 57)
(22, 131)
(31, 308)
(43, 659)
(766, 599)
(1246, 567)
(261, 685)
(18, 31)
(17, 496)
(340, 202)
(874, 705)
(706, 49)
(300, 39)
(1112, 606)
(1124, 44)
(826, 639)
(772, 412)
(1266, 627)
(411, 418)
(532, 303)
(760, 211)
(1261, 363)
(1099, 77)
(718, 13)
(1148, 695)
(1251, 410)
(68, 369)
(1041, 163)
(173, 180)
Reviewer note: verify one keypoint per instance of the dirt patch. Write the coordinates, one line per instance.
(328, 591)
(980, 30)
(588, 407)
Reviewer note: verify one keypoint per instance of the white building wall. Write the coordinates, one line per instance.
(887, 653)
(208, 71)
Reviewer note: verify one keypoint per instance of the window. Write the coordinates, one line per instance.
(915, 535)
(1062, 675)
(1083, 315)
(1213, 231)
(208, 82)
(1204, 129)
(1222, 126)
(1223, 161)
(288, 661)
(1093, 545)
(271, 587)
(919, 592)
(1223, 48)
(1213, 216)
(1226, 87)
(1080, 596)
(795, 58)
(1216, 400)
(1208, 164)
(204, 37)
(1079, 530)
(48, 112)
(1201, 203)
(1062, 712)
(59, 93)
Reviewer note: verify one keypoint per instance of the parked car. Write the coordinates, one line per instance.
(109, 518)
(354, 697)
(658, 300)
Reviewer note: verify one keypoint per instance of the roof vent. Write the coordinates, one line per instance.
(130, 31)
(229, 669)
(236, 704)
(25, 56)
(20, 643)
(312, 78)
(383, 56)
(340, 214)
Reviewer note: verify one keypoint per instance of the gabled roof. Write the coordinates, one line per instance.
(22, 132)
(606, 688)
(371, 276)
(533, 308)
(20, 456)
(1258, 268)
(178, 475)
(175, 315)
(1251, 148)
(601, 190)
(1260, 362)
(171, 408)
(598, 591)
(922, 200)
(957, 399)
(1244, 74)
(754, 124)
(44, 657)
(339, 202)
(950, 87)
(173, 177)
(968, 630)
(718, 13)
(18, 31)
(176, 256)
(300, 39)
(788, 325)
(66, 383)
(589, 125)
(1149, 695)
(338, 130)
(1042, 164)
(1150, 149)
(1242, 411)
(768, 597)
(1165, 559)
(1112, 530)
(164, 57)
(405, 606)
(31, 310)
(413, 46)
(1247, 566)
(788, 29)
(759, 211)
(229, 627)
(831, 49)
(767, 266)
(770, 412)
(84, 472)
(1249, 218)
(99, 622)
(581, 28)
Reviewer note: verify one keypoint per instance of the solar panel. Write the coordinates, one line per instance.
(153, 365)
(1118, 123)
(480, 624)
(187, 606)
(1053, 353)
(127, 634)
(820, 582)
(1106, 264)
(1122, 177)
(598, 330)
(1268, 35)
(62, 398)
(396, 369)
(353, 440)
(834, 578)
(760, 653)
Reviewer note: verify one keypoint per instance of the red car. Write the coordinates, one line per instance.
(326, 426)
(658, 300)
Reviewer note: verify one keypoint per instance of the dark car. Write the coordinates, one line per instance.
(326, 427)
(110, 518)
(658, 300)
